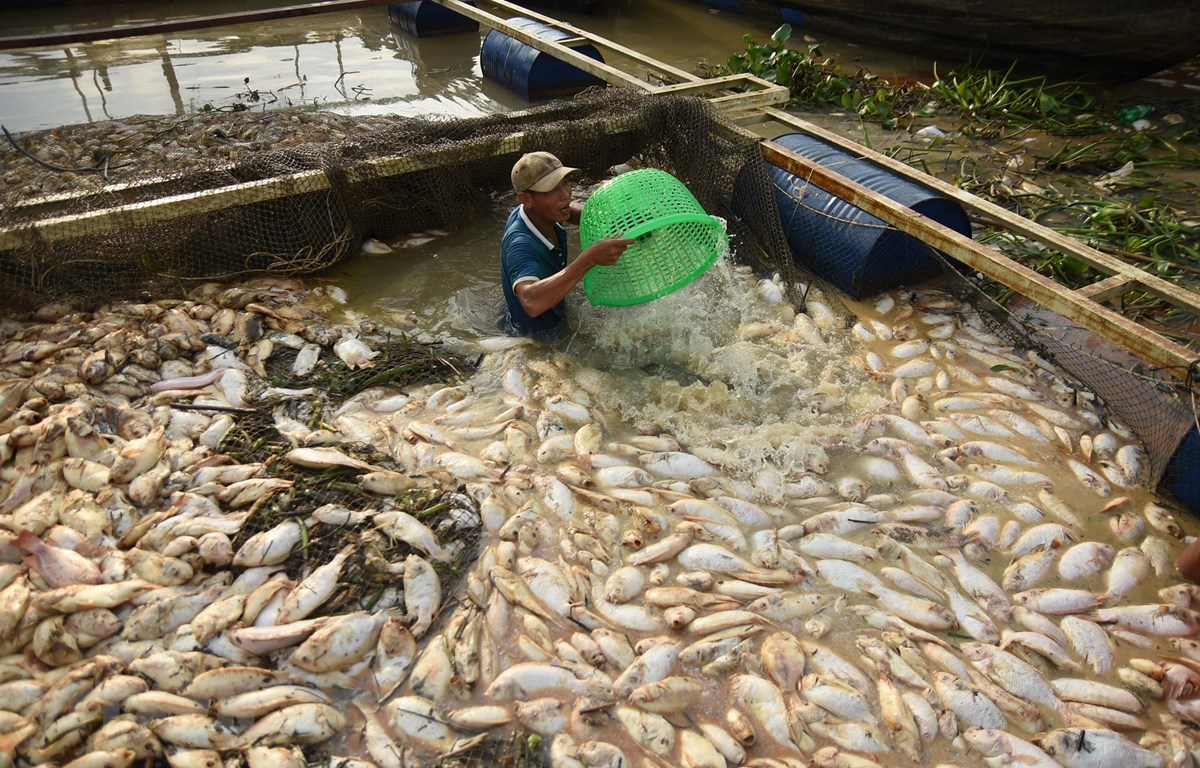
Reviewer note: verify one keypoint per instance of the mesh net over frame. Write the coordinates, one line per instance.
(675, 240)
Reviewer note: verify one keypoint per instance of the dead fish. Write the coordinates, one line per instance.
(298, 724)
(59, 567)
(137, 456)
(324, 458)
(271, 547)
(1095, 748)
(422, 593)
(354, 352)
(314, 589)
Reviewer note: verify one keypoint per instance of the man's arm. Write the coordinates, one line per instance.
(539, 296)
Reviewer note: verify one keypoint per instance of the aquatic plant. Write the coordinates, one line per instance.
(984, 94)
(816, 80)
(1111, 151)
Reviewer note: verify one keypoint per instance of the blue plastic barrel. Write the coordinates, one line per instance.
(528, 72)
(424, 18)
(844, 244)
(1182, 477)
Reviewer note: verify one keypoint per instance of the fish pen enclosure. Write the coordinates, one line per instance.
(914, 524)
(157, 206)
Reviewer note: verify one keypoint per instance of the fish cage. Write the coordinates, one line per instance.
(214, 214)
(181, 217)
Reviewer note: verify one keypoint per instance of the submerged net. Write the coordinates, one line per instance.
(156, 206)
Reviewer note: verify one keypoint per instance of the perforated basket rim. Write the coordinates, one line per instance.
(634, 183)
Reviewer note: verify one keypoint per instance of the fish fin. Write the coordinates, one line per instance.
(26, 541)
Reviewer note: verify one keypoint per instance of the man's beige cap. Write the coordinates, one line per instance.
(539, 172)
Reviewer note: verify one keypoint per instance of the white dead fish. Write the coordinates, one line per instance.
(298, 724)
(422, 593)
(677, 465)
(354, 352)
(271, 547)
(315, 589)
(324, 458)
(403, 526)
(340, 642)
(1096, 748)
(373, 247)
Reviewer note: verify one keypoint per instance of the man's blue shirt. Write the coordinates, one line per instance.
(526, 254)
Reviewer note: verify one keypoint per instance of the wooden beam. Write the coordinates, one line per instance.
(767, 93)
(1109, 265)
(1108, 288)
(181, 25)
(1151, 347)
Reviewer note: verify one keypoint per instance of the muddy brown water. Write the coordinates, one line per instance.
(677, 362)
(355, 62)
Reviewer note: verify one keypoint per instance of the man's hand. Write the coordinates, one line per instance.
(606, 251)
(537, 297)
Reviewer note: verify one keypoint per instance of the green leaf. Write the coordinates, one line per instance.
(783, 33)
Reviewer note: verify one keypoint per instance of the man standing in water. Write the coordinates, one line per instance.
(533, 254)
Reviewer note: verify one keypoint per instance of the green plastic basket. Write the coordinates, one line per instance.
(676, 241)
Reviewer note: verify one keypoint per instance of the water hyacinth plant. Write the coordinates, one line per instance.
(1089, 165)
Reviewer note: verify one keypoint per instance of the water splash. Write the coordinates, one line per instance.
(715, 365)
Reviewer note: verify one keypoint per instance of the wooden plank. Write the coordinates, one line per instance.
(160, 210)
(751, 99)
(182, 25)
(711, 84)
(1153, 348)
(1108, 288)
(765, 95)
(1109, 265)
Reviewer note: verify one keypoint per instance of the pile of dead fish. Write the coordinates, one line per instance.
(983, 577)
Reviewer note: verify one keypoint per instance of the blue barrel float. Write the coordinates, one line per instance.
(423, 18)
(528, 72)
(855, 251)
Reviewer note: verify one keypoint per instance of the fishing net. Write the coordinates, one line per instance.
(153, 207)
